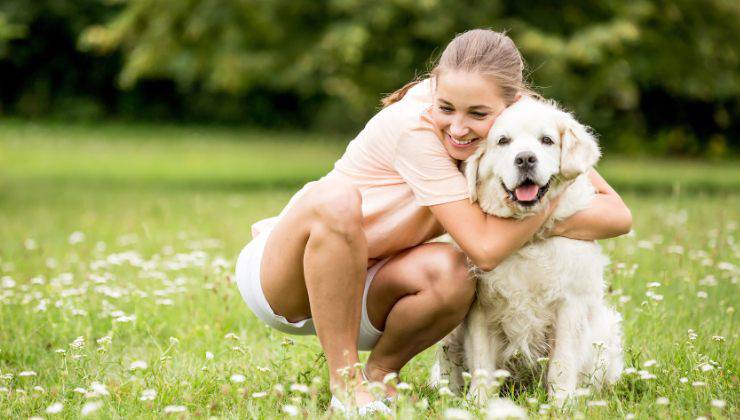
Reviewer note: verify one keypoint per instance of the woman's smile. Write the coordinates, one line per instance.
(460, 143)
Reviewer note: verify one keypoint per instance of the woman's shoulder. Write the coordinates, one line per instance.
(411, 112)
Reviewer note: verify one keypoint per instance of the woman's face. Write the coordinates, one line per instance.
(465, 106)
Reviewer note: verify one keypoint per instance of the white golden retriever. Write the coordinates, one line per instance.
(547, 299)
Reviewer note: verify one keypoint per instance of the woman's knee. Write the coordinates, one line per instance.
(449, 280)
(335, 208)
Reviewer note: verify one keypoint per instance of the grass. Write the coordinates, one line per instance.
(131, 233)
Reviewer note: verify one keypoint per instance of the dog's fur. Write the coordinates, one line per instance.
(547, 299)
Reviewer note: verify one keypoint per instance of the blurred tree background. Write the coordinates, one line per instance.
(652, 77)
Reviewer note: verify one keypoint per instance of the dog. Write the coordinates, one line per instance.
(545, 302)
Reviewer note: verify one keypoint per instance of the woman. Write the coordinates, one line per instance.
(347, 259)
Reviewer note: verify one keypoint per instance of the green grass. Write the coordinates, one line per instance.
(164, 211)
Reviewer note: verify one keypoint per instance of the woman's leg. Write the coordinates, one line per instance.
(314, 265)
(417, 298)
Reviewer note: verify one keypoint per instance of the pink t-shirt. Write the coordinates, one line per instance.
(400, 167)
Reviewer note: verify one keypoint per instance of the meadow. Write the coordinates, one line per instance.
(117, 247)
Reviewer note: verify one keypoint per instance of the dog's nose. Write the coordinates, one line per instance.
(525, 160)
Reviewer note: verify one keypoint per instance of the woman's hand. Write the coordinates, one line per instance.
(606, 217)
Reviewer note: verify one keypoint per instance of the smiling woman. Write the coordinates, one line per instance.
(347, 258)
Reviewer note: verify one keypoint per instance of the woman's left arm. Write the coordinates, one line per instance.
(606, 217)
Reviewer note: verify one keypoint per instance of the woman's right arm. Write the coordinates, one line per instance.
(487, 240)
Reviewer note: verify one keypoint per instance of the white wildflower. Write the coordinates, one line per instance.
(501, 373)
(39, 388)
(445, 391)
(174, 341)
(175, 409)
(649, 363)
(662, 401)
(148, 395)
(403, 386)
(231, 336)
(259, 394)
(683, 379)
(106, 339)
(209, 355)
(76, 237)
(702, 294)
(457, 414)
(718, 403)
(718, 338)
(78, 343)
(8, 283)
(237, 378)
(653, 284)
(90, 408)
(30, 244)
(503, 408)
(138, 365)
(596, 403)
(27, 374)
(390, 377)
(300, 388)
(706, 367)
(79, 390)
(290, 410)
(698, 384)
(55, 408)
(98, 389)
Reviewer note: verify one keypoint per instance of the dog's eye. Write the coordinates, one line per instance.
(503, 140)
(546, 140)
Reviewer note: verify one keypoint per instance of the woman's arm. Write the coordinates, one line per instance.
(487, 240)
(606, 217)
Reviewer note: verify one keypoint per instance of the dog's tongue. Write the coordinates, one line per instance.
(527, 192)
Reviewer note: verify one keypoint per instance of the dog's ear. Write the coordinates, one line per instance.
(471, 171)
(579, 150)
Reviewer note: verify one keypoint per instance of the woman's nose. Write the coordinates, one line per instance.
(458, 129)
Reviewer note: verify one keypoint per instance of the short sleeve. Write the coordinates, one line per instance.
(424, 164)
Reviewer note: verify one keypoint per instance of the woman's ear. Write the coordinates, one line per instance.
(518, 96)
(579, 150)
(471, 171)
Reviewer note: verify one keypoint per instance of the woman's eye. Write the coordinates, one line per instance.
(478, 114)
(546, 140)
(503, 140)
(445, 109)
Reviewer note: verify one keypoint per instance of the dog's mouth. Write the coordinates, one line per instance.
(528, 192)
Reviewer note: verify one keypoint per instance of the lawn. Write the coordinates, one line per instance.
(117, 246)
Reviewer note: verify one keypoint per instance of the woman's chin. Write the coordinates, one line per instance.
(461, 153)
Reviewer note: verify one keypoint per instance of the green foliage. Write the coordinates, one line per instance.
(659, 74)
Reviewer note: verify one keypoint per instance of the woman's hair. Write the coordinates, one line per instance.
(491, 54)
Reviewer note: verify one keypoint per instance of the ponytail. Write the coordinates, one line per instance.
(396, 96)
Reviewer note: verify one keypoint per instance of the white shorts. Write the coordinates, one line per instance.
(248, 279)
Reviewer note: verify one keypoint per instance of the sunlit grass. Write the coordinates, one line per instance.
(149, 264)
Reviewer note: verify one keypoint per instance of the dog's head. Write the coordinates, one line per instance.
(532, 150)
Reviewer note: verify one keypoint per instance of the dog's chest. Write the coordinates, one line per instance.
(521, 296)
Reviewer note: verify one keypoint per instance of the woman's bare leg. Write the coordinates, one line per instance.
(314, 265)
(418, 297)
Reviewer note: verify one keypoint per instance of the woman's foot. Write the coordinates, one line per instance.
(364, 402)
(376, 374)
